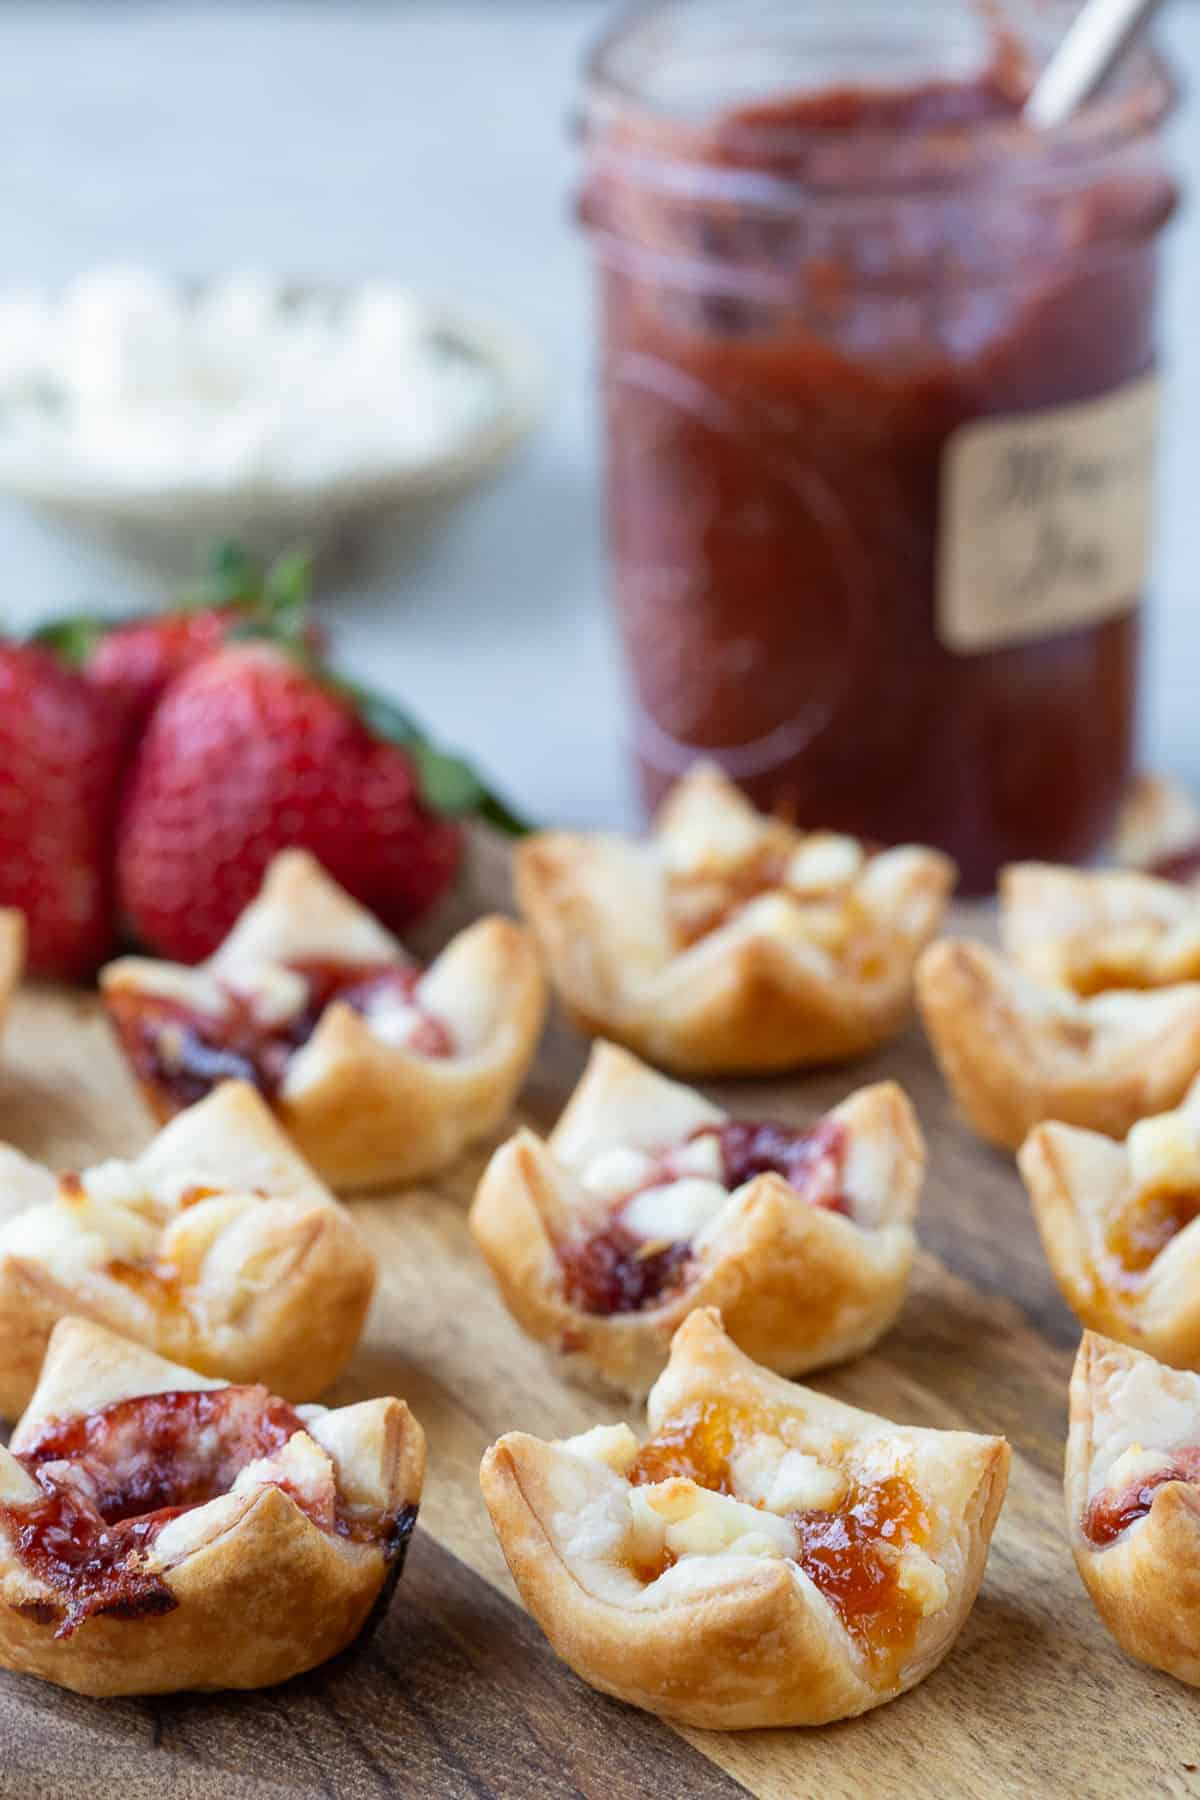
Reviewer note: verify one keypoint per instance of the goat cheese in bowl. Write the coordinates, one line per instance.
(250, 403)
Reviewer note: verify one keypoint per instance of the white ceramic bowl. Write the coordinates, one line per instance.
(164, 518)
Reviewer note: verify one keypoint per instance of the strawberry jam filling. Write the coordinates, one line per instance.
(850, 1551)
(810, 1161)
(1114, 1511)
(111, 1480)
(615, 1271)
(183, 1054)
(618, 1270)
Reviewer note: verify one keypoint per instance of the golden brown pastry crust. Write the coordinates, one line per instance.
(1082, 1186)
(1146, 1584)
(753, 995)
(758, 1646)
(278, 1296)
(1015, 1052)
(798, 1286)
(269, 1595)
(12, 954)
(364, 1112)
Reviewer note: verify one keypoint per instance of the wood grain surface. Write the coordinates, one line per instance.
(457, 1693)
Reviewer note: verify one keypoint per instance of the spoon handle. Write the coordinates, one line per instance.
(1098, 38)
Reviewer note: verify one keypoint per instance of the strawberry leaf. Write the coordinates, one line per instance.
(496, 811)
(74, 638)
(276, 596)
(229, 574)
(447, 783)
(272, 602)
(286, 591)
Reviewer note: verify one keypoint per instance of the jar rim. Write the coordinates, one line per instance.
(899, 157)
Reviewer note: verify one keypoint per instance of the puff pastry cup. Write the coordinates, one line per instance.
(217, 1247)
(1119, 1225)
(381, 1072)
(729, 942)
(647, 1201)
(214, 1537)
(1133, 1506)
(1015, 1051)
(1159, 829)
(767, 1557)
(12, 954)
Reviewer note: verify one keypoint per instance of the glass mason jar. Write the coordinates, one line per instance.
(877, 369)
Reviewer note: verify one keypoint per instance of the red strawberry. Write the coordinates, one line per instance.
(133, 663)
(133, 660)
(60, 762)
(255, 749)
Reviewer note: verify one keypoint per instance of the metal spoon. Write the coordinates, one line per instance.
(1097, 40)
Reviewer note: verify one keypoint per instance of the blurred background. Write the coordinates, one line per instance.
(429, 140)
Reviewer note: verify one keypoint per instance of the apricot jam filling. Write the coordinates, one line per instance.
(1098, 977)
(1127, 962)
(1137, 1236)
(183, 1053)
(154, 1279)
(618, 1270)
(1112, 1512)
(850, 1552)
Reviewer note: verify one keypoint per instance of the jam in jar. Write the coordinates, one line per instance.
(877, 371)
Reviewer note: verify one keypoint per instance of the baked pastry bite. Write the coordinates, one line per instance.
(1119, 1225)
(1159, 829)
(647, 1201)
(12, 954)
(161, 1531)
(729, 942)
(217, 1247)
(1133, 1500)
(1097, 931)
(1015, 1051)
(381, 1071)
(768, 1556)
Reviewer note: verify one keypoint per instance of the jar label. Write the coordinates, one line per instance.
(1045, 519)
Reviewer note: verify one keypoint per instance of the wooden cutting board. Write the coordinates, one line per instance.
(458, 1694)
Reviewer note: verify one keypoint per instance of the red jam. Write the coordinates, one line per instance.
(810, 1161)
(847, 1551)
(182, 1055)
(803, 300)
(616, 1271)
(112, 1479)
(1110, 1514)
